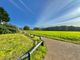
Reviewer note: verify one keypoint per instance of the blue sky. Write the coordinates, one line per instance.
(42, 13)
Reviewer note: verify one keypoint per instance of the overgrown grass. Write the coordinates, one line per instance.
(38, 54)
(13, 45)
(68, 36)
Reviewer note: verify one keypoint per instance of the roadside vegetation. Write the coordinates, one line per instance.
(13, 45)
(40, 52)
(8, 28)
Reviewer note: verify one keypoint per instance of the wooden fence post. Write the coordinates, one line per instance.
(42, 41)
(28, 56)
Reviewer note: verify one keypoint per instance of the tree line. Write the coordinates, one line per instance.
(61, 28)
(54, 28)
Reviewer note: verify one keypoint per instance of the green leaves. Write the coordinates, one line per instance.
(4, 29)
(4, 17)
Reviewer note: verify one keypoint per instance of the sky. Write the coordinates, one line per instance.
(42, 13)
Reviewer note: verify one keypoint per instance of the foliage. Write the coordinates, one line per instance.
(36, 28)
(13, 46)
(4, 17)
(5, 28)
(62, 28)
(26, 28)
(68, 36)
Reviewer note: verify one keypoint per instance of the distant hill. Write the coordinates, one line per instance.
(62, 28)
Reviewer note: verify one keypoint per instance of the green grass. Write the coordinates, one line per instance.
(68, 36)
(40, 52)
(13, 45)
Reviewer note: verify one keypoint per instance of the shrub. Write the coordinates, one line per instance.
(8, 29)
(26, 28)
(36, 28)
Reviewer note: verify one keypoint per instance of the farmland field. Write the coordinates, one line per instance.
(68, 36)
(13, 45)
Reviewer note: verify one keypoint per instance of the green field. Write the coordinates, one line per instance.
(68, 36)
(13, 45)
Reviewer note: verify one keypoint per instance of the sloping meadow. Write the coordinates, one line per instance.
(13, 45)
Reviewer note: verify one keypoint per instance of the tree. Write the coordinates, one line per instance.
(36, 28)
(26, 28)
(4, 17)
(62, 28)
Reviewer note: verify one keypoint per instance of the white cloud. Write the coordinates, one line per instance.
(51, 9)
(73, 22)
(71, 15)
(15, 4)
(25, 5)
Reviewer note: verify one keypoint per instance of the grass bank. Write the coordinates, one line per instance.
(13, 45)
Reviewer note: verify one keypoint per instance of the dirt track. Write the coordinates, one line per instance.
(58, 50)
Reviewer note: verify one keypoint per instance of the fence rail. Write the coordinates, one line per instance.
(28, 54)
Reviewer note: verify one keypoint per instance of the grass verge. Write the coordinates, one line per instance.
(13, 45)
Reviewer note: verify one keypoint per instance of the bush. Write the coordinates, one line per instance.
(12, 28)
(8, 29)
(36, 28)
(26, 28)
(3, 29)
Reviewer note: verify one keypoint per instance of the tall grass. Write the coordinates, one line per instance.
(40, 52)
(13, 45)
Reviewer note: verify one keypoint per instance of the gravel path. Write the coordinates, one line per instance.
(58, 50)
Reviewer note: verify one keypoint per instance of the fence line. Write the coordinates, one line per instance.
(28, 54)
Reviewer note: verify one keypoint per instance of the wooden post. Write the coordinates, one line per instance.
(28, 56)
(42, 43)
(41, 40)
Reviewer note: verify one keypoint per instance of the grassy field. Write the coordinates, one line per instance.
(68, 36)
(13, 45)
